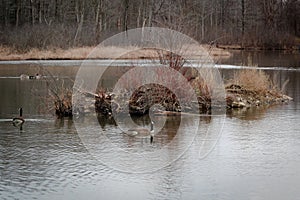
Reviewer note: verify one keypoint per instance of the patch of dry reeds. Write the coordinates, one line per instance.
(254, 87)
(253, 80)
(107, 52)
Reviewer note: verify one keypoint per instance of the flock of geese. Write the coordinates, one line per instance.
(27, 77)
(140, 132)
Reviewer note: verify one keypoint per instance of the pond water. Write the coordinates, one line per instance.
(256, 156)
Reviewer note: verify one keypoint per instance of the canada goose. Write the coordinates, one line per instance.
(151, 131)
(142, 132)
(18, 121)
(37, 76)
(26, 77)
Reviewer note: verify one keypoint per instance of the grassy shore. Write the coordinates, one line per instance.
(80, 53)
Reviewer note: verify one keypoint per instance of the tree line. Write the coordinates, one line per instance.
(46, 24)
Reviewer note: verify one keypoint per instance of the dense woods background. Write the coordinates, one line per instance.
(44, 24)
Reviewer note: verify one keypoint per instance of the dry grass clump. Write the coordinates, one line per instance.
(253, 80)
(253, 88)
(34, 53)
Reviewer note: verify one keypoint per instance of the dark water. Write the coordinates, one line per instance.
(257, 155)
(264, 59)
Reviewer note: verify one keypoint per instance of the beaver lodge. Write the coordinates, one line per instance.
(248, 88)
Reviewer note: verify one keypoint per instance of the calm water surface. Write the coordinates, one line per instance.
(256, 157)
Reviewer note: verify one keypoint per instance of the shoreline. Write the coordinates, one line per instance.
(295, 48)
(216, 52)
(82, 53)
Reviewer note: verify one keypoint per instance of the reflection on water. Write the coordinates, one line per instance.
(254, 113)
(256, 157)
(264, 59)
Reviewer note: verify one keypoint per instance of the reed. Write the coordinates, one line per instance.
(253, 80)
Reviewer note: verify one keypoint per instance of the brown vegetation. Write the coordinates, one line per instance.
(253, 80)
(253, 88)
(59, 96)
(148, 95)
(249, 88)
(58, 100)
(81, 53)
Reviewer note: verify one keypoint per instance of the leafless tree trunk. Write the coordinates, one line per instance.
(125, 15)
(80, 19)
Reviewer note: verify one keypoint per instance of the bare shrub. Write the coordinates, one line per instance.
(59, 96)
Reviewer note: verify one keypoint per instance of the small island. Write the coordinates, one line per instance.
(247, 89)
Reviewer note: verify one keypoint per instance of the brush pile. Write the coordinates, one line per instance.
(248, 88)
(253, 88)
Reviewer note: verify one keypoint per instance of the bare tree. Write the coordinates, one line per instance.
(265, 23)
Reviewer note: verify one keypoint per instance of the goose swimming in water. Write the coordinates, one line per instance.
(142, 132)
(151, 131)
(19, 121)
(26, 77)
